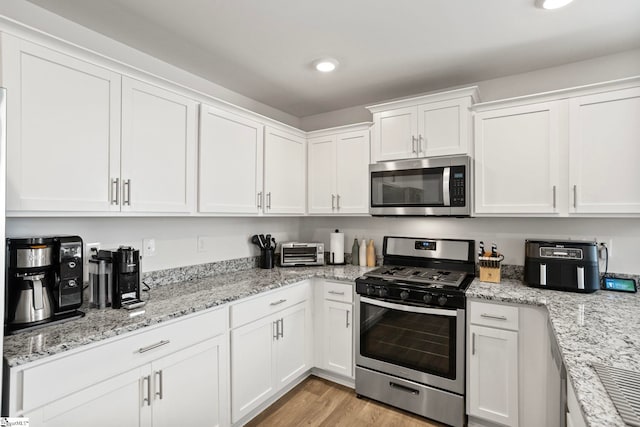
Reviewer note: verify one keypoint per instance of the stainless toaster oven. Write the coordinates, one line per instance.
(298, 254)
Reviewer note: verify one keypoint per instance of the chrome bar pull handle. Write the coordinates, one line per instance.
(278, 302)
(159, 381)
(554, 197)
(333, 201)
(275, 329)
(281, 328)
(473, 343)
(269, 200)
(420, 144)
(491, 316)
(575, 196)
(146, 398)
(413, 145)
(259, 199)
(336, 293)
(404, 388)
(338, 201)
(115, 191)
(152, 346)
(126, 192)
(348, 318)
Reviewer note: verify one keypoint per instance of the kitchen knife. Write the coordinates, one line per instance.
(261, 240)
(267, 242)
(273, 239)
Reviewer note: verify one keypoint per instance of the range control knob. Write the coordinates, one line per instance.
(404, 294)
(382, 292)
(442, 300)
(72, 283)
(427, 298)
(371, 290)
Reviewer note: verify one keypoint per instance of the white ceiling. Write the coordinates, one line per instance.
(263, 49)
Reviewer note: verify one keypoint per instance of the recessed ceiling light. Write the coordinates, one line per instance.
(326, 65)
(552, 4)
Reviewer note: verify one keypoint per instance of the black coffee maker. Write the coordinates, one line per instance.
(43, 281)
(116, 279)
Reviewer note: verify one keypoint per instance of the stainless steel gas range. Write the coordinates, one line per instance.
(410, 327)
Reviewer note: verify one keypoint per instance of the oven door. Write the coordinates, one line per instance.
(420, 344)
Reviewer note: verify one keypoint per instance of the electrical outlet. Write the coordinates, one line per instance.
(602, 243)
(149, 247)
(88, 249)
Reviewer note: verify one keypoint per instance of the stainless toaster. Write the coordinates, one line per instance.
(301, 254)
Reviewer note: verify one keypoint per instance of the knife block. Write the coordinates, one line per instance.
(490, 268)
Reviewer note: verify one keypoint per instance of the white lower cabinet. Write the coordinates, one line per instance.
(493, 375)
(334, 326)
(170, 375)
(508, 363)
(268, 353)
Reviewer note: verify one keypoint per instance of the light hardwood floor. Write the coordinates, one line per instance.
(317, 402)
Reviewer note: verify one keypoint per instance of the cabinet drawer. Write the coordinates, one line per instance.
(272, 302)
(337, 291)
(68, 373)
(493, 315)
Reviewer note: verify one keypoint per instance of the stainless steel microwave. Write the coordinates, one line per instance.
(438, 186)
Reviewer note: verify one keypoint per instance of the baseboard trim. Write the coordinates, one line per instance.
(334, 378)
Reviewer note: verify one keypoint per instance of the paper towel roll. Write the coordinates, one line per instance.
(336, 251)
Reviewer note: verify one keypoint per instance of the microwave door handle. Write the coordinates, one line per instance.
(446, 196)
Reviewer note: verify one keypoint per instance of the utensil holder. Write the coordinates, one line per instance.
(490, 268)
(267, 257)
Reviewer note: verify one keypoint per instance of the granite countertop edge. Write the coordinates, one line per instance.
(588, 328)
(167, 302)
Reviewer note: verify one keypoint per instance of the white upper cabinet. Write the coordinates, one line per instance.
(231, 162)
(516, 160)
(426, 126)
(285, 172)
(158, 149)
(339, 170)
(64, 137)
(604, 150)
(322, 174)
(570, 152)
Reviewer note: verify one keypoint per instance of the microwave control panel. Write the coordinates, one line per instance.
(457, 186)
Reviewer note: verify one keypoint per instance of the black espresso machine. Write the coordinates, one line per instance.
(562, 265)
(43, 281)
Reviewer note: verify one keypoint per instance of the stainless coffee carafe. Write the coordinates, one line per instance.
(31, 279)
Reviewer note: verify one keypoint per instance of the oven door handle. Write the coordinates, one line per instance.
(410, 308)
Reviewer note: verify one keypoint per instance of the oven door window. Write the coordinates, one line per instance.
(407, 188)
(423, 342)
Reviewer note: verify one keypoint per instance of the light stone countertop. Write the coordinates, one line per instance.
(165, 302)
(601, 327)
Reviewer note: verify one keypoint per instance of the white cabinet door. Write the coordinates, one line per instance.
(252, 365)
(493, 374)
(396, 134)
(285, 172)
(189, 387)
(604, 130)
(113, 402)
(338, 338)
(64, 135)
(231, 162)
(322, 174)
(516, 160)
(443, 128)
(293, 343)
(158, 149)
(352, 170)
